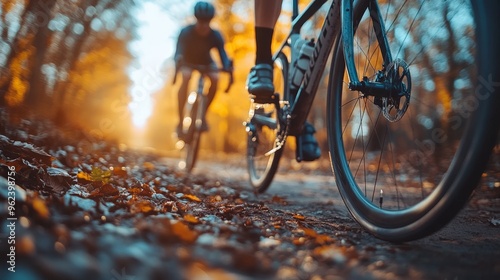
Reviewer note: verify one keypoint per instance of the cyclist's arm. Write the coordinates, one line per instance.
(179, 52)
(180, 47)
(226, 63)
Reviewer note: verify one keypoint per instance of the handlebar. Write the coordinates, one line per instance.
(205, 69)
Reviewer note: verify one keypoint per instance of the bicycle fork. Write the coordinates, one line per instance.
(391, 88)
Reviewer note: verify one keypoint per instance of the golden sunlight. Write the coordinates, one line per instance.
(154, 46)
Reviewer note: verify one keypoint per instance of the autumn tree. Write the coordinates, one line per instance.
(69, 60)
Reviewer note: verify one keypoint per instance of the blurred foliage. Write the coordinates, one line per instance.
(69, 60)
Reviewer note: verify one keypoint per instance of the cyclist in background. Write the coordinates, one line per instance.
(193, 48)
(260, 79)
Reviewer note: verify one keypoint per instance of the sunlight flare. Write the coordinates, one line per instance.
(154, 46)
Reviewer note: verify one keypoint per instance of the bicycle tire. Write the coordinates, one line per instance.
(192, 151)
(193, 140)
(374, 154)
(262, 138)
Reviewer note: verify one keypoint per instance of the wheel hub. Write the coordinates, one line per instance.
(395, 106)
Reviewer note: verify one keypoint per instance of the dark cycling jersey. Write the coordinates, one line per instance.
(195, 49)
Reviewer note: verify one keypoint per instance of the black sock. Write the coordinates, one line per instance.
(263, 39)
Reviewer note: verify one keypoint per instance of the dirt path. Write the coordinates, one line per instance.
(467, 248)
(101, 212)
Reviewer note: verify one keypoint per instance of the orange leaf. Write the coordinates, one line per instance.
(183, 232)
(84, 175)
(323, 239)
(41, 208)
(309, 232)
(192, 197)
(143, 206)
(119, 171)
(191, 219)
(134, 190)
(299, 241)
(299, 217)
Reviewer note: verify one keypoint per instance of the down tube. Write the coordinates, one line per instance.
(313, 75)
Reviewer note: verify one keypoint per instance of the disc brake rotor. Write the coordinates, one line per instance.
(395, 106)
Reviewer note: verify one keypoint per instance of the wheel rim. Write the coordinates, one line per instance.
(402, 164)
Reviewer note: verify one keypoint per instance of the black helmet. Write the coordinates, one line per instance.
(204, 11)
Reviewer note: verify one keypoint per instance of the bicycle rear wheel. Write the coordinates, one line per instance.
(265, 140)
(404, 169)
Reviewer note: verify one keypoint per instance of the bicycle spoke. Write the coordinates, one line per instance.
(400, 148)
(362, 121)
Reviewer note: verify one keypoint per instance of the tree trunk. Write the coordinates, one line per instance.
(37, 86)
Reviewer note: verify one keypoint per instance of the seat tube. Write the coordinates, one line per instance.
(202, 100)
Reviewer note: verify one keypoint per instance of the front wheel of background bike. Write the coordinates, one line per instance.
(405, 179)
(190, 150)
(261, 139)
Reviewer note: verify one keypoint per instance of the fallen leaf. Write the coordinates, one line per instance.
(183, 232)
(104, 190)
(192, 197)
(299, 241)
(299, 217)
(40, 207)
(330, 253)
(142, 206)
(18, 149)
(146, 190)
(58, 179)
(309, 232)
(323, 239)
(84, 176)
(99, 175)
(191, 219)
(119, 171)
(134, 190)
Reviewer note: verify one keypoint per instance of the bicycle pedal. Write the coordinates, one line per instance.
(263, 99)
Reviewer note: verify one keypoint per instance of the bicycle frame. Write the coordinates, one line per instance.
(192, 123)
(202, 102)
(194, 97)
(392, 186)
(339, 18)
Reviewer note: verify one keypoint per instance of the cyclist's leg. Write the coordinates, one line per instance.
(213, 76)
(182, 93)
(214, 81)
(266, 16)
(260, 80)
